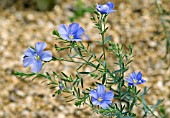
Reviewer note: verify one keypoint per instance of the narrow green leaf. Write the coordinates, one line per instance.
(108, 39)
(104, 78)
(84, 73)
(64, 74)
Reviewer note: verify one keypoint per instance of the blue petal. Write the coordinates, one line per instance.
(101, 89)
(79, 39)
(73, 28)
(130, 80)
(46, 56)
(93, 94)
(111, 5)
(104, 105)
(108, 95)
(28, 61)
(95, 101)
(30, 52)
(103, 9)
(63, 29)
(139, 76)
(133, 75)
(109, 102)
(98, 7)
(110, 11)
(66, 37)
(79, 32)
(130, 84)
(36, 66)
(39, 47)
(141, 81)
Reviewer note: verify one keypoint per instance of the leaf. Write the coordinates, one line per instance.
(108, 39)
(80, 66)
(90, 57)
(84, 72)
(82, 85)
(104, 78)
(79, 51)
(48, 76)
(99, 42)
(21, 74)
(74, 56)
(56, 33)
(64, 74)
(157, 104)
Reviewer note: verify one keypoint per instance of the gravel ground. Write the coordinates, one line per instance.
(134, 22)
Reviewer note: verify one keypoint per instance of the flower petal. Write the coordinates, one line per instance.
(46, 56)
(40, 46)
(111, 5)
(130, 84)
(79, 32)
(95, 101)
(30, 52)
(36, 66)
(28, 61)
(104, 105)
(110, 11)
(66, 37)
(103, 9)
(79, 39)
(101, 89)
(63, 29)
(109, 102)
(139, 76)
(133, 75)
(93, 94)
(130, 80)
(73, 28)
(108, 95)
(141, 81)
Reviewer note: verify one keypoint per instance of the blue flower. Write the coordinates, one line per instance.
(135, 79)
(105, 9)
(100, 97)
(72, 33)
(34, 57)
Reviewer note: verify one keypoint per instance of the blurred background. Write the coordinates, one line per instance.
(143, 23)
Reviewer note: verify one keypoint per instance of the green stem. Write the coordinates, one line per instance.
(102, 23)
(102, 29)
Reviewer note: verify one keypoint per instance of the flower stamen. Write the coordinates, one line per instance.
(100, 99)
(135, 81)
(71, 37)
(37, 57)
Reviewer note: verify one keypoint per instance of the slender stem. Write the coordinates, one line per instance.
(102, 29)
(102, 23)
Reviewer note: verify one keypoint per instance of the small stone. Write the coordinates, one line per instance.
(61, 115)
(20, 93)
(61, 108)
(152, 44)
(25, 112)
(30, 17)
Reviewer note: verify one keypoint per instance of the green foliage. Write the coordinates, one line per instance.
(79, 10)
(44, 5)
(161, 13)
